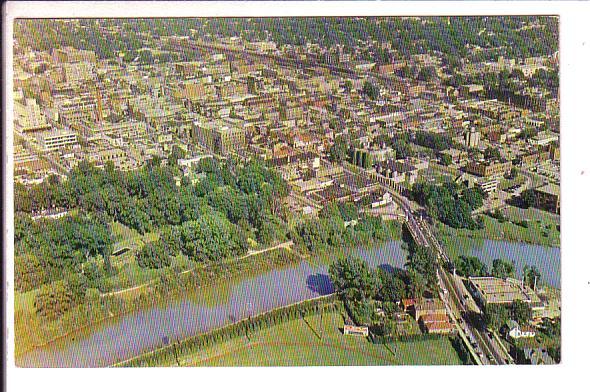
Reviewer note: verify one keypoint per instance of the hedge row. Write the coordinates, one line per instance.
(170, 353)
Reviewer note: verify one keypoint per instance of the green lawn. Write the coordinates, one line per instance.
(317, 341)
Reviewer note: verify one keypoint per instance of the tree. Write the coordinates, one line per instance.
(503, 268)
(416, 284)
(532, 276)
(473, 197)
(529, 198)
(392, 287)
(492, 153)
(427, 74)
(446, 160)
(512, 174)
(175, 154)
(28, 272)
(352, 279)
(153, 255)
(496, 315)
(338, 151)
(371, 90)
(521, 312)
(470, 266)
(423, 261)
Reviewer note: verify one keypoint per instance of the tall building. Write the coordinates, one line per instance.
(219, 136)
(472, 138)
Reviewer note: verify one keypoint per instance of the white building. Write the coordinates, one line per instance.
(55, 139)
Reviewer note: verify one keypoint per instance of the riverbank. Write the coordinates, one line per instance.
(542, 228)
(31, 332)
(197, 310)
(312, 338)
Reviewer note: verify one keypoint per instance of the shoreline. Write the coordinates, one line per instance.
(155, 301)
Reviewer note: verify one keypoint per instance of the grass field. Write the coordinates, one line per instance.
(317, 341)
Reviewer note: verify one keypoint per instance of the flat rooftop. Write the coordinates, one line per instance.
(502, 291)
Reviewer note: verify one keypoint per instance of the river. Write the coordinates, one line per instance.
(546, 259)
(204, 309)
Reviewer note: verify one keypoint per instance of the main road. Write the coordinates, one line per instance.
(453, 292)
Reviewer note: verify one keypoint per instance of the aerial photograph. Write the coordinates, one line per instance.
(286, 191)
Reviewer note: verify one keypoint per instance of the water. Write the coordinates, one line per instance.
(546, 259)
(205, 309)
(208, 308)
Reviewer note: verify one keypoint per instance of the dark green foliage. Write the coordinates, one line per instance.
(271, 230)
(503, 268)
(153, 255)
(362, 312)
(427, 74)
(211, 238)
(61, 245)
(53, 300)
(446, 159)
(496, 315)
(416, 284)
(434, 141)
(29, 272)
(445, 203)
(529, 198)
(423, 262)
(392, 286)
(473, 197)
(521, 312)
(470, 266)
(338, 151)
(371, 90)
(352, 279)
(532, 276)
(492, 153)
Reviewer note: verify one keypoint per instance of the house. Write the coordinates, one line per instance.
(436, 323)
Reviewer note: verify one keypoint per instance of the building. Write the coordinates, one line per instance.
(55, 139)
(436, 323)
(472, 138)
(547, 198)
(429, 307)
(220, 136)
(488, 186)
(484, 168)
(28, 116)
(72, 55)
(490, 290)
(77, 72)
(544, 138)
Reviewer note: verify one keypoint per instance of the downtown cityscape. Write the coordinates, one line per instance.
(301, 191)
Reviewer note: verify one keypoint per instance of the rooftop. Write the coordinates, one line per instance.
(502, 291)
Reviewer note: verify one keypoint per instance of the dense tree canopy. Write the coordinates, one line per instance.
(503, 268)
(446, 203)
(153, 255)
(470, 266)
(352, 279)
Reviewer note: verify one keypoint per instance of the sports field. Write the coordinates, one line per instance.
(317, 341)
